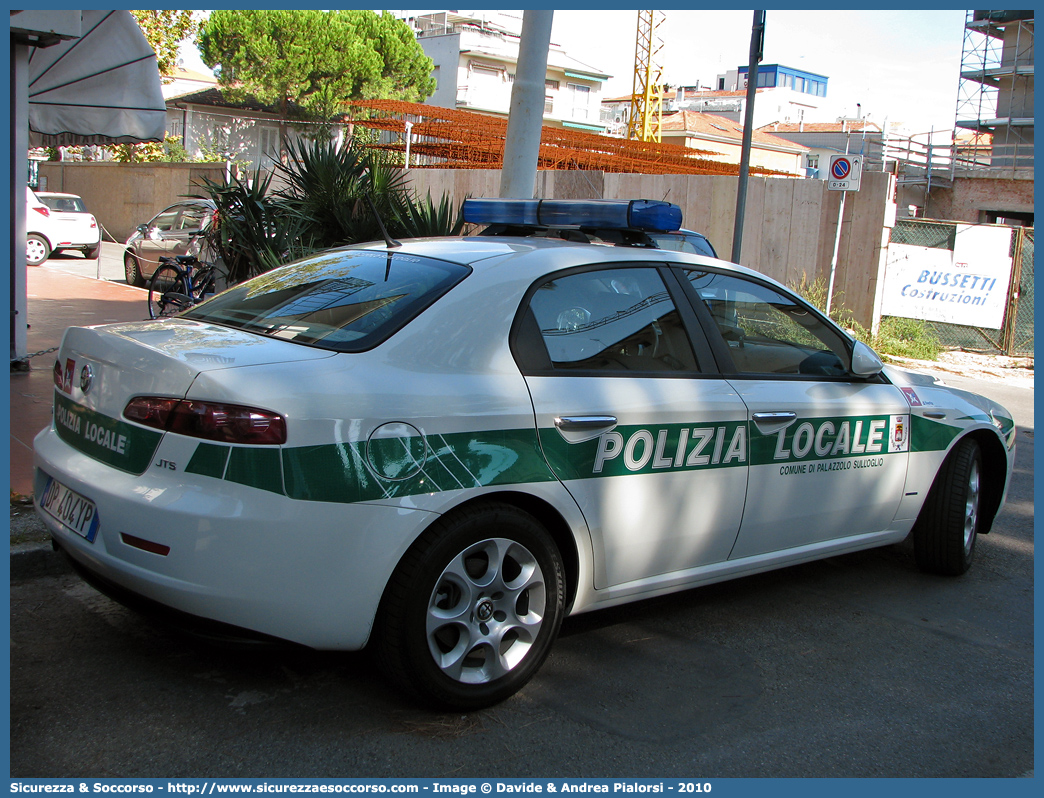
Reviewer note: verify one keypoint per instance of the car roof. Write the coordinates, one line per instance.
(57, 194)
(544, 255)
(200, 201)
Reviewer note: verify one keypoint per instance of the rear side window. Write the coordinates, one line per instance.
(64, 204)
(344, 300)
(612, 321)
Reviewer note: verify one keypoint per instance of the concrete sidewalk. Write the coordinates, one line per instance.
(57, 299)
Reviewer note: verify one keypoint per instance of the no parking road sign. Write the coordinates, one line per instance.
(844, 172)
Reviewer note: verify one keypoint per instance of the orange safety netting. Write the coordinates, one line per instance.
(445, 138)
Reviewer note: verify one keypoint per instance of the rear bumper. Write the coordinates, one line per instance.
(308, 572)
(204, 628)
(72, 239)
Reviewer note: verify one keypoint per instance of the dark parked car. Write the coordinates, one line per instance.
(173, 231)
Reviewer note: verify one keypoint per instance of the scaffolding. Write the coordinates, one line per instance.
(995, 97)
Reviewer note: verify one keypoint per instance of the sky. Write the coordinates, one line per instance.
(900, 65)
(903, 67)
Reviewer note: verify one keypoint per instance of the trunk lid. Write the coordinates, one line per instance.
(102, 368)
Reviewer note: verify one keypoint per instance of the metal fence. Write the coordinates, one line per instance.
(1015, 337)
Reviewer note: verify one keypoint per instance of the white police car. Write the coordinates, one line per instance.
(445, 446)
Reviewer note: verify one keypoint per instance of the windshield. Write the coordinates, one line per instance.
(344, 300)
(693, 243)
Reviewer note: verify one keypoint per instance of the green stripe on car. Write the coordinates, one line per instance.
(110, 440)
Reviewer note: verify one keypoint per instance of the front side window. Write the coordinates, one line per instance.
(192, 218)
(165, 221)
(612, 321)
(347, 300)
(769, 333)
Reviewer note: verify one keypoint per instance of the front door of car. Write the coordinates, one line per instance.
(828, 451)
(184, 238)
(650, 443)
(156, 240)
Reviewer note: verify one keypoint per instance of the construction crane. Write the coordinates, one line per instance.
(647, 92)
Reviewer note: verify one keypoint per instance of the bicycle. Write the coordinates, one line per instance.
(178, 284)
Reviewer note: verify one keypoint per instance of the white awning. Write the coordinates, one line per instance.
(101, 88)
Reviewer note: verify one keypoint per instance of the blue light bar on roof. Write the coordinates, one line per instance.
(649, 215)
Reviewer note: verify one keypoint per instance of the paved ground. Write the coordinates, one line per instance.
(62, 292)
(855, 666)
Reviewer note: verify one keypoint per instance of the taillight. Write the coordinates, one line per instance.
(43, 210)
(152, 411)
(94, 223)
(214, 421)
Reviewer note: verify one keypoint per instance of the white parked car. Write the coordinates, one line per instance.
(444, 447)
(56, 222)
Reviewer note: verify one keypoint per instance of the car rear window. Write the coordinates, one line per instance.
(64, 204)
(343, 300)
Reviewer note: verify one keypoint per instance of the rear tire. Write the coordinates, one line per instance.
(132, 271)
(37, 250)
(472, 609)
(168, 294)
(947, 528)
(91, 252)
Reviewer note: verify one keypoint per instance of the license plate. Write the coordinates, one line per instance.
(70, 509)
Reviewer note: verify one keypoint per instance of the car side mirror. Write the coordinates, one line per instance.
(865, 362)
(143, 229)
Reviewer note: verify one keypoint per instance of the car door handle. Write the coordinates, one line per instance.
(934, 414)
(769, 423)
(584, 423)
(773, 418)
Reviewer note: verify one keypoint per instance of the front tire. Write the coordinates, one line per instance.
(473, 608)
(132, 271)
(947, 528)
(37, 250)
(168, 294)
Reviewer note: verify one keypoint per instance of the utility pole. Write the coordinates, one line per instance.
(526, 117)
(757, 52)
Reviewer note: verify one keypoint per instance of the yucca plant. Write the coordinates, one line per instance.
(252, 232)
(325, 202)
(328, 186)
(418, 218)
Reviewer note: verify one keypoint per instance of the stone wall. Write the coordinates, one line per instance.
(123, 195)
(789, 227)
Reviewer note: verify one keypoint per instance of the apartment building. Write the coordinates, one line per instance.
(475, 57)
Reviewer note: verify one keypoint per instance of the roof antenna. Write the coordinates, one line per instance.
(391, 242)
